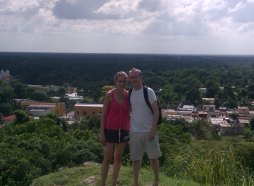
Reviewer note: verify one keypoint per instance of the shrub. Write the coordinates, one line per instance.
(211, 167)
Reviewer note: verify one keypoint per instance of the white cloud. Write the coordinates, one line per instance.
(237, 7)
(142, 25)
(18, 6)
(244, 13)
(119, 7)
(150, 5)
(81, 9)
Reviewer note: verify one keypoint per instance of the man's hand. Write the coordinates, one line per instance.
(151, 135)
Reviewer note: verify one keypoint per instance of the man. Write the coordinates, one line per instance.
(143, 137)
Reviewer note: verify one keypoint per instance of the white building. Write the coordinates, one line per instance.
(202, 90)
(226, 126)
(74, 96)
(5, 75)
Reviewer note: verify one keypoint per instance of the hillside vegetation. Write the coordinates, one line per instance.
(34, 148)
(89, 174)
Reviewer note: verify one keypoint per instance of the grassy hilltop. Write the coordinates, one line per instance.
(89, 174)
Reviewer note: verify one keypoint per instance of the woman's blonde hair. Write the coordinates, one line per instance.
(120, 73)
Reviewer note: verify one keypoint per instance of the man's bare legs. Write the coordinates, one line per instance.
(135, 168)
(155, 167)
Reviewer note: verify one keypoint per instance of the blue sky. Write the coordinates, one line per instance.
(128, 26)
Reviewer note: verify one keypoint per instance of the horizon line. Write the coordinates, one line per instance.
(112, 53)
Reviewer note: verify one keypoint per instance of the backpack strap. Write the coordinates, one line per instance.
(145, 90)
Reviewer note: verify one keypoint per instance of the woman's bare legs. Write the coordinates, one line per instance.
(119, 149)
(108, 154)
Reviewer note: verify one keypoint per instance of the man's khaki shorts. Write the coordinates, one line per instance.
(139, 144)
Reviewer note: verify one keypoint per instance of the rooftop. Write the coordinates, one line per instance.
(87, 105)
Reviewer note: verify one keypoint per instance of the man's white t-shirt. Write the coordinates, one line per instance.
(141, 114)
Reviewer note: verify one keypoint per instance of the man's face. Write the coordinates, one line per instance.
(135, 78)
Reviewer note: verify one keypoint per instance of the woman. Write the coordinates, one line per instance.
(115, 125)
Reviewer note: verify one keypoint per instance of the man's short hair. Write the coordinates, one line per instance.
(136, 70)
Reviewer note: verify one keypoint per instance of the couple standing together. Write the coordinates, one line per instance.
(123, 113)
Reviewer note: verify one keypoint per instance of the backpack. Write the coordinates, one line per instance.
(145, 91)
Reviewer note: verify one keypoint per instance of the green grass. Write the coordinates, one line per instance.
(91, 171)
(211, 167)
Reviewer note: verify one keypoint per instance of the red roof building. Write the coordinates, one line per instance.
(8, 119)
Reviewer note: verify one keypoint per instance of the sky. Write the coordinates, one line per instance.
(128, 26)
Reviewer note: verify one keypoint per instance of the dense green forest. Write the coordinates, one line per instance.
(32, 148)
(178, 76)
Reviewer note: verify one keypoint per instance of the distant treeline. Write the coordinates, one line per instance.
(92, 71)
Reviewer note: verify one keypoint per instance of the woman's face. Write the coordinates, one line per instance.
(121, 81)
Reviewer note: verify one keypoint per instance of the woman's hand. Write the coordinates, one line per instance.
(102, 139)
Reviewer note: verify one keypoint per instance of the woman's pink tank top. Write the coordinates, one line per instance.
(118, 115)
